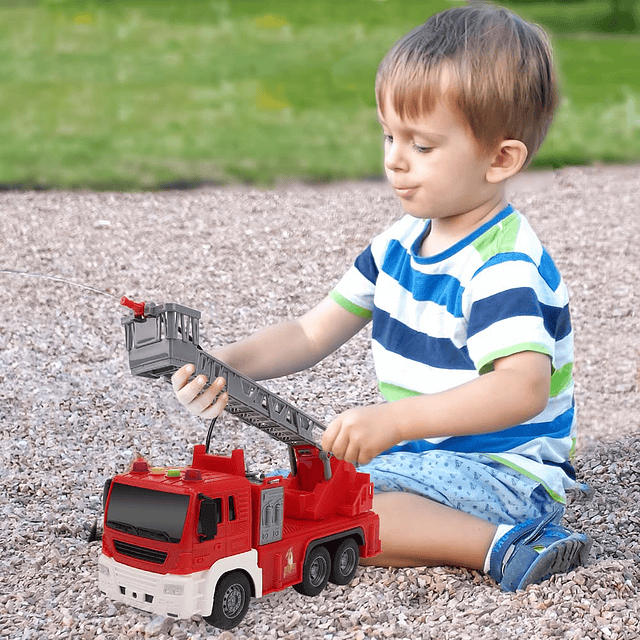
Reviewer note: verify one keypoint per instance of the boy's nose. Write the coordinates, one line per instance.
(394, 159)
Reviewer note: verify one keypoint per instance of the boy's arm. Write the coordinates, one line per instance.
(274, 351)
(514, 392)
(294, 345)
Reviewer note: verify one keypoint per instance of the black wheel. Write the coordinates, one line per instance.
(345, 562)
(315, 573)
(230, 601)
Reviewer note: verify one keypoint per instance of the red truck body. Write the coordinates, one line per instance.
(203, 539)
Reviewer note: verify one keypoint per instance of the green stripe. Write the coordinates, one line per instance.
(486, 364)
(501, 238)
(349, 306)
(524, 472)
(572, 453)
(561, 379)
(392, 393)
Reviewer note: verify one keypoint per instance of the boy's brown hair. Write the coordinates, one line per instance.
(483, 60)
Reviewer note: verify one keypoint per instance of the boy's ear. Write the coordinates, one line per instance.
(507, 161)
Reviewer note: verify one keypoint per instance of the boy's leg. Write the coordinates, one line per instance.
(416, 531)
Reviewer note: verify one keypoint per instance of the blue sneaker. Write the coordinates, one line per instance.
(534, 551)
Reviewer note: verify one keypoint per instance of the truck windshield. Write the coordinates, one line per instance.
(156, 515)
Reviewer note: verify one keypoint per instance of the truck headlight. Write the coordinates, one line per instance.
(173, 589)
(103, 569)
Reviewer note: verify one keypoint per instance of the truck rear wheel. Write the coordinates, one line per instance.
(315, 573)
(345, 562)
(230, 601)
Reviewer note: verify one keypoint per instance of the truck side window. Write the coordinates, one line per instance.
(210, 517)
(232, 509)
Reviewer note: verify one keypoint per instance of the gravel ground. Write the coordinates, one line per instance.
(71, 414)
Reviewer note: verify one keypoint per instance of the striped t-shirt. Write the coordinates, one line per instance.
(439, 322)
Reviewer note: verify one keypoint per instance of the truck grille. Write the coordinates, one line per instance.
(140, 553)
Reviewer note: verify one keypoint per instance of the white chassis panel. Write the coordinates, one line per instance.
(178, 596)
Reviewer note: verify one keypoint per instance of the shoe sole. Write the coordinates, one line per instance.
(560, 557)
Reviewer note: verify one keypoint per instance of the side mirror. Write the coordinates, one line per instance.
(210, 510)
(105, 492)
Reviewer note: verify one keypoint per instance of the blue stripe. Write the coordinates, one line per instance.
(366, 265)
(513, 303)
(566, 466)
(499, 258)
(561, 321)
(396, 337)
(548, 271)
(442, 289)
(498, 442)
(547, 268)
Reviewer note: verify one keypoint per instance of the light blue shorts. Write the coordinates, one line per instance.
(469, 482)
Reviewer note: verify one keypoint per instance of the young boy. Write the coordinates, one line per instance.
(471, 334)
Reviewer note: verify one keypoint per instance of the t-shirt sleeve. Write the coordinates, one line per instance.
(355, 290)
(512, 307)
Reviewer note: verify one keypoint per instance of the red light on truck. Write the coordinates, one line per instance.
(193, 475)
(140, 466)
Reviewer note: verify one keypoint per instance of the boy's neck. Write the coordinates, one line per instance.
(446, 232)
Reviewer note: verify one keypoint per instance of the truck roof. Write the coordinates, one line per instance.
(189, 479)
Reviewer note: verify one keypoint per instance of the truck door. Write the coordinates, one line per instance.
(210, 543)
(238, 510)
(223, 528)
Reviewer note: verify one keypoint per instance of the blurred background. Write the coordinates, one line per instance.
(149, 94)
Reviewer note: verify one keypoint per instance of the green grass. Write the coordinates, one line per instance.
(131, 94)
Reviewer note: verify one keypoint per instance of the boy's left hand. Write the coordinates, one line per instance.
(358, 435)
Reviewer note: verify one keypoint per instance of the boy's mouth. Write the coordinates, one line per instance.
(405, 192)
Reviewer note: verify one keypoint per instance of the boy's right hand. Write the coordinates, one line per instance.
(208, 403)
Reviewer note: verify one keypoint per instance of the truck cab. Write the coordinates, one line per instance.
(163, 526)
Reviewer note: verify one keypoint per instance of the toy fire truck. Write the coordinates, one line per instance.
(206, 538)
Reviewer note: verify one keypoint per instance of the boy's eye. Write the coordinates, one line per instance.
(387, 138)
(420, 149)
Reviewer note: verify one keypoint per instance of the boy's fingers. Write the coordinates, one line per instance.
(335, 440)
(209, 394)
(181, 376)
(329, 436)
(214, 410)
(202, 401)
(207, 402)
(190, 391)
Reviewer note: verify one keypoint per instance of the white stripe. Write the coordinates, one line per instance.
(503, 276)
(356, 288)
(507, 333)
(461, 265)
(415, 376)
(554, 409)
(405, 231)
(564, 351)
(424, 316)
(527, 241)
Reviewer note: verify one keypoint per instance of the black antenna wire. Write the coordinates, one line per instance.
(16, 272)
(209, 434)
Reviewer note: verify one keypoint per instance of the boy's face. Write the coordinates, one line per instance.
(435, 166)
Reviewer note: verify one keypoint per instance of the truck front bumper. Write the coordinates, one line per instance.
(177, 596)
